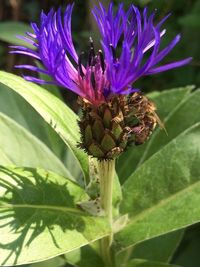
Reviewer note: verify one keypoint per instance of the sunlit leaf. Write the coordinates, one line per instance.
(55, 262)
(62, 119)
(21, 148)
(163, 194)
(14, 106)
(39, 218)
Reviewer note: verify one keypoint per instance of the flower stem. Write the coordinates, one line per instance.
(106, 174)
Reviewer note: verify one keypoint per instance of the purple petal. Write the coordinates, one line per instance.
(27, 53)
(36, 80)
(110, 25)
(139, 34)
(163, 20)
(32, 35)
(166, 50)
(26, 39)
(32, 68)
(134, 29)
(53, 39)
(139, 21)
(169, 66)
(152, 43)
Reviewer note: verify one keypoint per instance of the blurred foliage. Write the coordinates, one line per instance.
(8, 30)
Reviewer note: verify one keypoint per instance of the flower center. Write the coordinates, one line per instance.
(92, 79)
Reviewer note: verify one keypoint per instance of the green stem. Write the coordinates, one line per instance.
(106, 174)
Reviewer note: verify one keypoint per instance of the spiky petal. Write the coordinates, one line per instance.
(138, 34)
(104, 75)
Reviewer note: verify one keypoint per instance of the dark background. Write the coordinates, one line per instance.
(185, 19)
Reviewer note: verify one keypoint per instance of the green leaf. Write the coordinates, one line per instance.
(189, 248)
(52, 88)
(39, 217)
(86, 256)
(55, 262)
(62, 119)
(166, 102)
(184, 115)
(72, 164)
(163, 194)
(161, 248)
(10, 29)
(145, 263)
(21, 148)
(14, 106)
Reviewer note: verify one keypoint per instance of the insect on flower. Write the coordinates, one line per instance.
(115, 114)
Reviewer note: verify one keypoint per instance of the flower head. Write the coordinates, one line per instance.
(115, 114)
(106, 73)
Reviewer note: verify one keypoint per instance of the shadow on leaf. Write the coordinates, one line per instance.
(32, 202)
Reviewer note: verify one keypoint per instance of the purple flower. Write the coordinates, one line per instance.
(106, 73)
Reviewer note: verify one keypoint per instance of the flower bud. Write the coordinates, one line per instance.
(111, 127)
